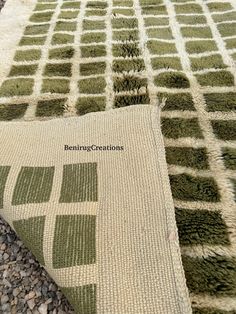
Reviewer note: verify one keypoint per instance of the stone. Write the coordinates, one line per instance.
(22, 273)
(16, 291)
(5, 273)
(52, 287)
(31, 304)
(44, 290)
(6, 283)
(11, 237)
(48, 301)
(6, 308)
(3, 247)
(30, 295)
(15, 248)
(4, 299)
(3, 238)
(43, 308)
(13, 310)
(5, 256)
(35, 281)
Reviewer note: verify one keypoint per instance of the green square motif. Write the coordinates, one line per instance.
(79, 183)
(74, 240)
(94, 85)
(33, 185)
(31, 232)
(83, 298)
(17, 87)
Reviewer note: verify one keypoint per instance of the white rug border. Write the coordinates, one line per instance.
(13, 19)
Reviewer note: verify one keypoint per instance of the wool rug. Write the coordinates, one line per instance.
(96, 209)
(68, 58)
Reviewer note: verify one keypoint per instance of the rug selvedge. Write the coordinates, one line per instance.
(77, 57)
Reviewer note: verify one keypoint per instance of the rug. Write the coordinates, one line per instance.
(69, 58)
(96, 210)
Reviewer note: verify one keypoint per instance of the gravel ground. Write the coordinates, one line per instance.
(25, 287)
(2, 2)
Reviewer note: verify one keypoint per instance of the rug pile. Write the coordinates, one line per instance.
(69, 58)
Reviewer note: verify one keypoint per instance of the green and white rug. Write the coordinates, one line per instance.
(65, 58)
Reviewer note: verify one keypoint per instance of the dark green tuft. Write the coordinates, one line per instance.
(214, 275)
(188, 188)
(199, 227)
(187, 157)
(229, 156)
(181, 101)
(90, 104)
(10, 112)
(178, 127)
(172, 80)
(129, 100)
(53, 107)
(224, 130)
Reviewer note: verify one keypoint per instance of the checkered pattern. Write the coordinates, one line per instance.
(76, 57)
(63, 241)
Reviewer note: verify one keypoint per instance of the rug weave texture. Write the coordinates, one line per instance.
(68, 58)
(100, 221)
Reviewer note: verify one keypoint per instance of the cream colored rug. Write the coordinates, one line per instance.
(67, 58)
(92, 201)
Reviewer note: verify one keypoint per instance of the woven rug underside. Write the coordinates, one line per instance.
(68, 58)
(102, 221)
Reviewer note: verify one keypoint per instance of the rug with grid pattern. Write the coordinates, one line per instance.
(76, 57)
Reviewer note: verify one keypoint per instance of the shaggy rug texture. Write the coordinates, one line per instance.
(68, 58)
(101, 221)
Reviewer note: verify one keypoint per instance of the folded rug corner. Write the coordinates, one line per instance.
(95, 207)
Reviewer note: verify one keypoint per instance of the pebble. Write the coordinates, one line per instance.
(48, 301)
(5, 273)
(31, 304)
(44, 290)
(35, 281)
(43, 309)
(6, 308)
(13, 310)
(11, 237)
(6, 282)
(16, 291)
(30, 295)
(15, 248)
(3, 236)
(23, 273)
(52, 287)
(3, 247)
(61, 312)
(38, 294)
(4, 299)
(5, 256)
